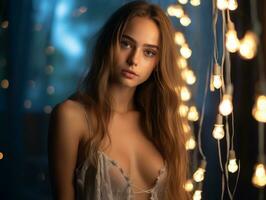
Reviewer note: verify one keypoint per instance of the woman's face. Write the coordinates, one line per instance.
(138, 52)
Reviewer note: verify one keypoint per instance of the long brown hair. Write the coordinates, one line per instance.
(156, 99)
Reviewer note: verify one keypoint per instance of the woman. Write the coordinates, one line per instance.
(121, 136)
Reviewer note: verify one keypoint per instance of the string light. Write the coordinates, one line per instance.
(191, 143)
(232, 4)
(197, 195)
(50, 90)
(179, 38)
(175, 10)
(4, 83)
(185, 51)
(5, 24)
(182, 62)
(259, 176)
(232, 166)
(259, 108)
(217, 79)
(226, 105)
(195, 2)
(248, 45)
(198, 176)
(47, 109)
(185, 20)
(222, 4)
(218, 131)
(193, 114)
(1, 155)
(185, 93)
(189, 185)
(183, 1)
(183, 110)
(232, 42)
(189, 76)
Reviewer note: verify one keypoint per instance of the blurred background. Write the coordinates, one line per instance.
(44, 52)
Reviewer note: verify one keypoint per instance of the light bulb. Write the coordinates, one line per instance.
(182, 62)
(179, 38)
(226, 105)
(193, 114)
(185, 51)
(259, 109)
(175, 10)
(218, 131)
(197, 195)
(185, 94)
(222, 4)
(198, 176)
(190, 143)
(232, 4)
(232, 42)
(183, 110)
(195, 2)
(186, 128)
(185, 20)
(189, 76)
(248, 45)
(259, 176)
(183, 1)
(217, 79)
(232, 166)
(189, 185)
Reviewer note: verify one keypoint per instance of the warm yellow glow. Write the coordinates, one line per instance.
(175, 10)
(1, 155)
(190, 143)
(218, 131)
(222, 4)
(232, 166)
(193, 114)
(226, 105)
(179, 38)
(186, 128)
(183, 110)
(232, 42)
(259, 176)
(217, 81)
(195, 2)
(183, 1)
(198, 176)
(185, 20)
(4, 24)
(197, 195)
(259, 109)
(185, 94)
(232, 4)
(4, 83)
(189, 185)
(189, 76)
(185, 51)
(248, 45)
(182, 62)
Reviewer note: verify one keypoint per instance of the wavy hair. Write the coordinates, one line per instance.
(156, 99)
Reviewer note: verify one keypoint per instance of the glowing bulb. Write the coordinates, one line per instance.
(186, 128)
(185, 20)
(232, 166)
(193, 114)
(232, 4)
(5, 84)
(1, 155)
(195, 2)
(226, 105)
(232, 42)
(218, 131)
(248, 45)
(189, 185)
(183, 1)
(222, 4)
(175, 10)
(217, 79)
(185, 94)
(183, 110)
(189, 76)
(259, 109)
(182, 62)
(190, 143)
(179, 38)
(259, 176)
(198, 176)
(5, 24)
(185, 51)
(197, 195)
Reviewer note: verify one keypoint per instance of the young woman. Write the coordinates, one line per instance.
(121, 136)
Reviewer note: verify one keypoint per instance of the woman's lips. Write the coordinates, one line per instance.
(128, 74)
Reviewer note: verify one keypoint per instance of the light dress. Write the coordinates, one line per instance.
(109, 182)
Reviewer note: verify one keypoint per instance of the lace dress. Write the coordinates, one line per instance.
(109, 182)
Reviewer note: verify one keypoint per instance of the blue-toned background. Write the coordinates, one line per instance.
(43, 55)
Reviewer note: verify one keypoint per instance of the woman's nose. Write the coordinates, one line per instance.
(134, 57)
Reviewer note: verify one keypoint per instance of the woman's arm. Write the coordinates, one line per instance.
(65, 132)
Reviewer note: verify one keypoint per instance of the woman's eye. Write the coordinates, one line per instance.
(125, 44)
(149, 53)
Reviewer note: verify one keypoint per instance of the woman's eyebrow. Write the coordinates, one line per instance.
(133, 40)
